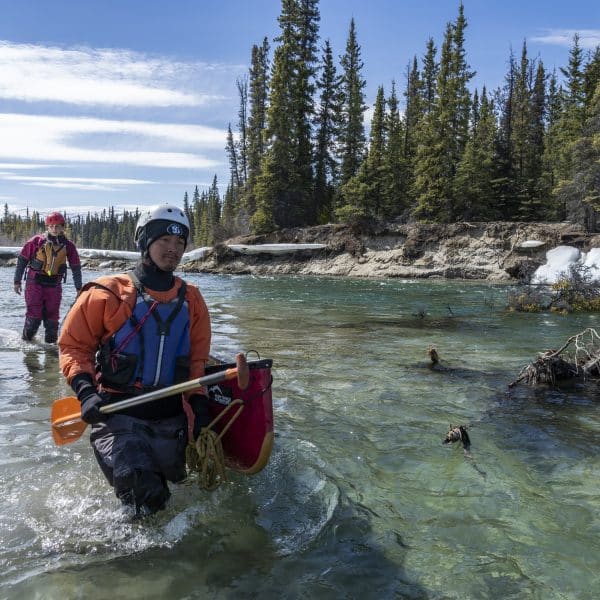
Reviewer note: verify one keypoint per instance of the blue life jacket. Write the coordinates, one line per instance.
(151, 349)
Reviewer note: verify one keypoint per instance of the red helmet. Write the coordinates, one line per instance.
(55, 218)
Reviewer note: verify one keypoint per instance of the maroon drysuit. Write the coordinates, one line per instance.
(43, 293)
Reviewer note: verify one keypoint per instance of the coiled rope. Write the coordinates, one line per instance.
(206, 456)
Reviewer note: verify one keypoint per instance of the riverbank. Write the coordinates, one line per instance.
(499, 251)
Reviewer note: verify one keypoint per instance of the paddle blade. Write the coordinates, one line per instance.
(243, 372)
(67, 425)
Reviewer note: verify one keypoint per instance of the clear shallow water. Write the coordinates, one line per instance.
(361, 499)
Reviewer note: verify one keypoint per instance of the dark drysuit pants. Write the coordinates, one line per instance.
(139, 456)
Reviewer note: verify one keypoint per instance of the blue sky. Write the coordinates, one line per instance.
(126, 103)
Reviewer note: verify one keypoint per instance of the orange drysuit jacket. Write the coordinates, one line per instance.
(98, 313)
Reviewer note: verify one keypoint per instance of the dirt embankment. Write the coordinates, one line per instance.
(483, 251)
(489, 251)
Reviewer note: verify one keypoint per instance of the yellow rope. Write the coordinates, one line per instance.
(206, 455)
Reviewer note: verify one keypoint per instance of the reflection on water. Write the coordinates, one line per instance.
(361, 499)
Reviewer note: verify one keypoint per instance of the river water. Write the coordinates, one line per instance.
(360, 499)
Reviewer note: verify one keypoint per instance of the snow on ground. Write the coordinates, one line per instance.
(559, 261)
(196, 254)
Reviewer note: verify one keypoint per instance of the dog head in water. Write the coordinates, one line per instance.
(458, 433)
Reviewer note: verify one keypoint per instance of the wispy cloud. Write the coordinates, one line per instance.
(25, 166)
(86, 76)
(35, 138)
(119, 118)
(79, 183)
(588, 38)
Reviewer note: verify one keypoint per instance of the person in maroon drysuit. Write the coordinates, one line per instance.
(45, 258)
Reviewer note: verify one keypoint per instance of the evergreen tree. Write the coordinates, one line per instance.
(364, 193)
(413, 115)
(428, 87)
(228, 217)
(504, 184)
(242, 145)
(284, 188)
(214, 212)
(196, 220)
(460, 98)
(581, 194)
(434, 168)
(232, 154)
(537, 207)
(257, 119)
(445, 129)
(327, 123)
(474, 190)
(396, 173)
(186, 207)
(591, 76)
(571, 120)
(352, 136)
(549, 178)
(527, 136)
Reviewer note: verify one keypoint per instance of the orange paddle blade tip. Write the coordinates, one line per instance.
(243, 373)
(67, 425)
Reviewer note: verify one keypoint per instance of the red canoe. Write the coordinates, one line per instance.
(247, 416)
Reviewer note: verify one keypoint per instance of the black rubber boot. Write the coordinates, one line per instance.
(30, 328)
(51, 334)
(146, 491)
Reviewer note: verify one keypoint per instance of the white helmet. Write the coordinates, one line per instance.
(157, 221)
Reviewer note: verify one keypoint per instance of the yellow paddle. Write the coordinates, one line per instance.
(68, 427)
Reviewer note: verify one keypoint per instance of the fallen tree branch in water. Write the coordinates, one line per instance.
(579, 356)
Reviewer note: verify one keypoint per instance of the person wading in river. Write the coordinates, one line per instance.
(130, 334)
(45, 258)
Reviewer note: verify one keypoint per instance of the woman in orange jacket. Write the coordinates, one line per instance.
(130, 334)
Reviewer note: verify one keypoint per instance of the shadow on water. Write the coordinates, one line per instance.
(450, 323)
(288, 532)
(553, 420)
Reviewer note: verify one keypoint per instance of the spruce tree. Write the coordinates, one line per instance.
(428, 87)
(474, 190)
(257, 118)
(396, 179)
(571, 120)
(435, 167)
(327, 124)
(242, 144)
(549, 176)
(352, 136)
(581, 194)
(591, 76)
(504, 184)
(284, 188)
(445, 129)
(413, 115)
(363, 194)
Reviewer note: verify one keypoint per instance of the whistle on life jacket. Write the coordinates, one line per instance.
(50, 259)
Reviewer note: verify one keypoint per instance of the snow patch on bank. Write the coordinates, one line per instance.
(559, 261)
(273, 248)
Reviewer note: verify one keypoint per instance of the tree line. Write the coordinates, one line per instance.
(528, 151)
(300, 154)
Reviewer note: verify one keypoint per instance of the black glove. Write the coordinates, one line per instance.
(90, 399)
(199, 404)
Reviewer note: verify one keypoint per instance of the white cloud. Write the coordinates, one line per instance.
(588, 38)
(25, 166)
(101, 113)
(35, 138)
(86, 76)
(79, 183)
